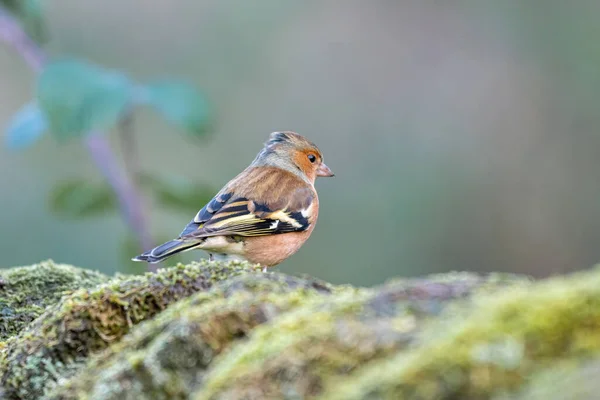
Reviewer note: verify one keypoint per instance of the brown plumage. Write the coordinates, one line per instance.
(263, 215)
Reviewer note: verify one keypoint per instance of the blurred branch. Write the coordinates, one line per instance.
(12, 34)
(129, 199)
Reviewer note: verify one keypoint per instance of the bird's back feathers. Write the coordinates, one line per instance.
(283, 205)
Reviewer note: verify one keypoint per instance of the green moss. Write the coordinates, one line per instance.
(167, 357)
(507, 338)
(297, 354)
(26, 291)
(59, 341)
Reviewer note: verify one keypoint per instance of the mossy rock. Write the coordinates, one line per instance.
(568, 380)
(166, 358)
(25, 292)
(507, 339)
(59, 341)
(228, 331)
(300, 352)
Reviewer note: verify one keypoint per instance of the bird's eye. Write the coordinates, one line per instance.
(312, 158)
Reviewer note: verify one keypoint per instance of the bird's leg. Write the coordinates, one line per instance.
(210, 257)
(264, 269)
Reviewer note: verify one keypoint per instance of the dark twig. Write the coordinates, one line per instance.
(130, 201)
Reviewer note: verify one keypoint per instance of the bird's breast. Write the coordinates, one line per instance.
(274, 249)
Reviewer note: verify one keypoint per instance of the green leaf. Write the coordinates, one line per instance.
(81, 199)
(77, 97)
(178, 194)
(180, 104)
(31, 15)
(26, 127)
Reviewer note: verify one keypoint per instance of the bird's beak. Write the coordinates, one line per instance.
(324, 171)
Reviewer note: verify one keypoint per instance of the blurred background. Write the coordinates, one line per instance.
(463, 134)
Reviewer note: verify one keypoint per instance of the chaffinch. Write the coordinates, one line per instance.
(263, 215)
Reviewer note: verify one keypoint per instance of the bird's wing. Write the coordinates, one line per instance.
(276, 204)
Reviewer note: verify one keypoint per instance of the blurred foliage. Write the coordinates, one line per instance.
(75, 98)
(26, 127)
(77, 198)
(179, 103)
(31, 15)
(81, 199)
(177, 193)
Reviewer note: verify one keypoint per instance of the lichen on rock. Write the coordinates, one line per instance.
(166, 358)
(59, 341)
(26, 291)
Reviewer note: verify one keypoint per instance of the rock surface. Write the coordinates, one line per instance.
(229, 331)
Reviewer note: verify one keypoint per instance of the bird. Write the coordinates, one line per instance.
(264, 215)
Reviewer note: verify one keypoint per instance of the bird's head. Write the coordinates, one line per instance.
(295, 153)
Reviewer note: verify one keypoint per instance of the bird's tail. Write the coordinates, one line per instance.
(166, 250)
